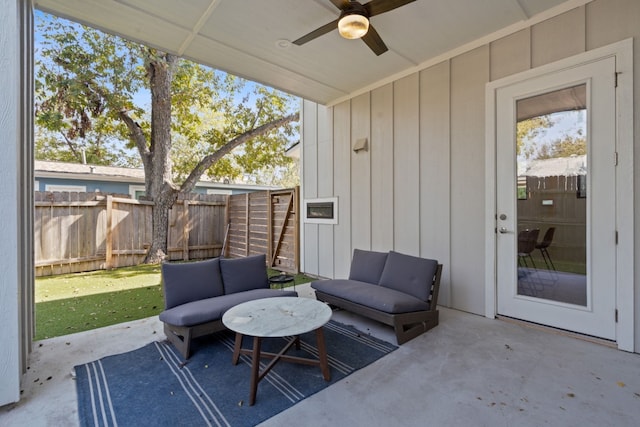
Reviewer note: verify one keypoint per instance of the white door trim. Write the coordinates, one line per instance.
(623, 52)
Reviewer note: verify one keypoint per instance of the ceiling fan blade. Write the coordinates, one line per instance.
(374, 41)
(376, 7)
(340, 4)
(317, 33)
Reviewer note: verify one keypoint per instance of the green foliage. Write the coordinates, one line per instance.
(86, 80)
(565, 147)
(527, 130)
(83, 80)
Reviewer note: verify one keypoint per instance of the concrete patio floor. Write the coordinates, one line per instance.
(468, 371)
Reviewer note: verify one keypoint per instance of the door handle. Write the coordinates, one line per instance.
(503, 230)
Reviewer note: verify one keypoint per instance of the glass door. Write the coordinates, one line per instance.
(555, 199)
(551, 179)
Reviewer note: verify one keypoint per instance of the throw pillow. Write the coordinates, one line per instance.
(244, 274)
(409, 274)
(191, 281)
(367, 266)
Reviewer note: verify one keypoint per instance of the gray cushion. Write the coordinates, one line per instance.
(210, 309)
(409, 274)
(367, 266)
(243, 274)
(372, 296)
(190, 281)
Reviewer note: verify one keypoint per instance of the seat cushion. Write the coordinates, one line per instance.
(409, 274)
(210, 309)
(191, 281)
(367, 266)
(373, 296)
(244, 274)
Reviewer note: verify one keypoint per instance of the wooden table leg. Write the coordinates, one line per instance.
(236, 349)
(255, 369)
(322, 354)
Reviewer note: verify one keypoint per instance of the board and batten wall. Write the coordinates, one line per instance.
(420, 187)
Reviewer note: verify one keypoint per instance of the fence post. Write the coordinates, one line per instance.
(247, 224)
(269, 227)
(109, 243)
(296, 239)
(185, 230)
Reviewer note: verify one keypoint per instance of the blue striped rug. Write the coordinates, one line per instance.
(153, 386)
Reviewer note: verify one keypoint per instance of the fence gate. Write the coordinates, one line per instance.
(265, 222)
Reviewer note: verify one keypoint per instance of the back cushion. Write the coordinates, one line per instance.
(244, 274)
(191, 281)
(366, 266)
(409, 274)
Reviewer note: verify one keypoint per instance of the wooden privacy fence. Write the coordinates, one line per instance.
(556, 201)
(266, 222)
(76, 232)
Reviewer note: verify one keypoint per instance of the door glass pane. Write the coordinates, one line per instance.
(551, 185)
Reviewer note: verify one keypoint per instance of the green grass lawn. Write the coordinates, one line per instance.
(78, 302)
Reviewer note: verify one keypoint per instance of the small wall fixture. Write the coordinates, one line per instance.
(360, 145)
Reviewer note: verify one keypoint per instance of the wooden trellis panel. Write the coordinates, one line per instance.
(265, 222)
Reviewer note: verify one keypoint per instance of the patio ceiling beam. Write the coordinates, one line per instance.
(196, 28)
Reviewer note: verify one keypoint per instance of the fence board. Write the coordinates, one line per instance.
(73, 231)
(76, 232)
(265, 223)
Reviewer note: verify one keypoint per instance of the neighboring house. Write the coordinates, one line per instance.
(61, 176)
(294, 151)
(410, 151)
(559, 166)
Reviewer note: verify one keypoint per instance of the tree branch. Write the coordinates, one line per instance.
(189, 184)
(136, 134)
(71, 147)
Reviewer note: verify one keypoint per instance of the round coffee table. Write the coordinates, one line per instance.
(277, 318)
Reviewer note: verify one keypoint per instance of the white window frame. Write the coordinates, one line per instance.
(134, 188)
(219, 191)
(69, 188)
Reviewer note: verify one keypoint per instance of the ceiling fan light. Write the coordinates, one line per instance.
(353, 26)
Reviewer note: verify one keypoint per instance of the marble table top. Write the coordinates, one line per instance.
(277, 317)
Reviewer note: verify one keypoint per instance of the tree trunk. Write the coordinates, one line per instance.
(158, 171)
(160, 225)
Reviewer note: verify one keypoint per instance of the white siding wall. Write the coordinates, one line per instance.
(435, 170)
(325, 188)
(16, 189)
(406, 166)
(381, 154)
(360, 174)
(425, 164)
(310, 176)
(469, 75)
(9, 110)
(342, 188)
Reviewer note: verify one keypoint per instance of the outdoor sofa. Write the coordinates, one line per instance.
(197, 294)
(393, 288)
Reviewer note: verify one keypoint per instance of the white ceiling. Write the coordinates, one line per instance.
(242, 36)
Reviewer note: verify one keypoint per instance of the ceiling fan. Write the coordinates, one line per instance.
(353, 22)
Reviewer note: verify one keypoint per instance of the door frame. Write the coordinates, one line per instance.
(624, 282)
